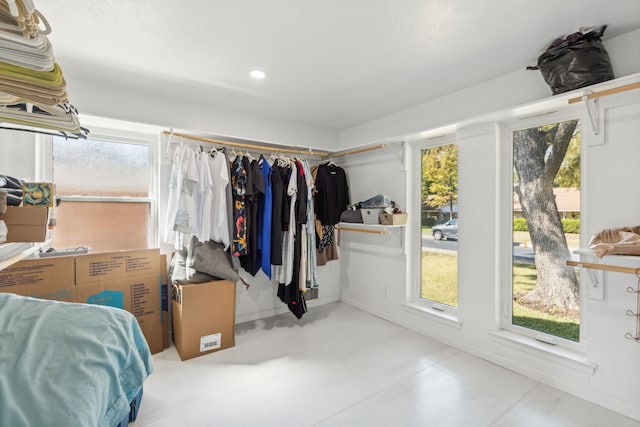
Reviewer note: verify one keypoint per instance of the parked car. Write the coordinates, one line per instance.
(448, 230)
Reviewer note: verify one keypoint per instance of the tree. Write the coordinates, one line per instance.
(538, 154)
(440, 175)
(569, 173)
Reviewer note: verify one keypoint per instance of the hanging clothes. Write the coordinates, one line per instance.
(311, 280)
(231, 226)
(290, 292)
(254, 196)
(239, 189)
(264, 215)
(181, 210)
(283, 273)
(219, 169)
(279, 212)
(203, 197)
(332, 193)
(326, 245)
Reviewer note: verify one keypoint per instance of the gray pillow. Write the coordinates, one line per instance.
(196, 278)
(211, 258)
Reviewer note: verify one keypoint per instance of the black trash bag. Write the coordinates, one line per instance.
(575, 61)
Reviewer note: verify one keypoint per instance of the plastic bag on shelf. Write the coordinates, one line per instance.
(576, 60)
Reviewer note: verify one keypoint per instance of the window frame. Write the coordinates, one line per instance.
(505, 224)
(44, 170)
(414, 291)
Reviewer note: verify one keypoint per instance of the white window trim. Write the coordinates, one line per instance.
(442, 313)
(504, 227)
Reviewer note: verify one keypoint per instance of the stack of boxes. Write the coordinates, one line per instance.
(130, 280)
(136, 281)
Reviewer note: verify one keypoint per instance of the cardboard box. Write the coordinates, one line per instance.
(130, 280)
(108, 266)
(50, 278)
(164, 296)
(203, 317)
(139, 295)
(26, 224)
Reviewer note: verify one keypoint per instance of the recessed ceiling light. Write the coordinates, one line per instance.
(258, 74)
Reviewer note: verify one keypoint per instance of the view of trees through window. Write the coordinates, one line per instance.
(546, 228)
(439, 184)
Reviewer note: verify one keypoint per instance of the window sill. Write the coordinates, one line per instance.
(563, 356)
(437, 315)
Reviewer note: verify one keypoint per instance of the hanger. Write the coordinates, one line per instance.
(250, 157)
(13, 8)
(213, 152)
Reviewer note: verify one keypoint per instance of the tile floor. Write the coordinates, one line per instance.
(340, 366)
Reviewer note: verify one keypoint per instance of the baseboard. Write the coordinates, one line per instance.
(281, 308)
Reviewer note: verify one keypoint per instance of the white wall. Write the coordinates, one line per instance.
(17, 154)
(157, 103)
(374, 280)
(480, 101)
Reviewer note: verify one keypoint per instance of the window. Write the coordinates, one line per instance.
(439, 227)
(543, 292)
(106, 192)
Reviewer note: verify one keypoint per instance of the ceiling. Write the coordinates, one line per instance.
(333, 63)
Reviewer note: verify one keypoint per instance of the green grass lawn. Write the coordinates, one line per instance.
(524, 280)
(439, 283)
(439, 278)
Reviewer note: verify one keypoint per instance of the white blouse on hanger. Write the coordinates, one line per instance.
(219, 229)
(181, 211)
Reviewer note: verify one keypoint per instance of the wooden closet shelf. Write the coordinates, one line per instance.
(366, 228)
(605, 267)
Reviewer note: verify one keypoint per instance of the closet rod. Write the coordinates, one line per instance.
(606, 92)
(356, 151)
(249, 146)
(361, 230)
(606, 267)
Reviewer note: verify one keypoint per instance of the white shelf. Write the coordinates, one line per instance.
(589, 255)
(10, 253)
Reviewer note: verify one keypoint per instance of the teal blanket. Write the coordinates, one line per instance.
(66, 364)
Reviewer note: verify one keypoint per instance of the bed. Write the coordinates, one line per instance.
(68, 364)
